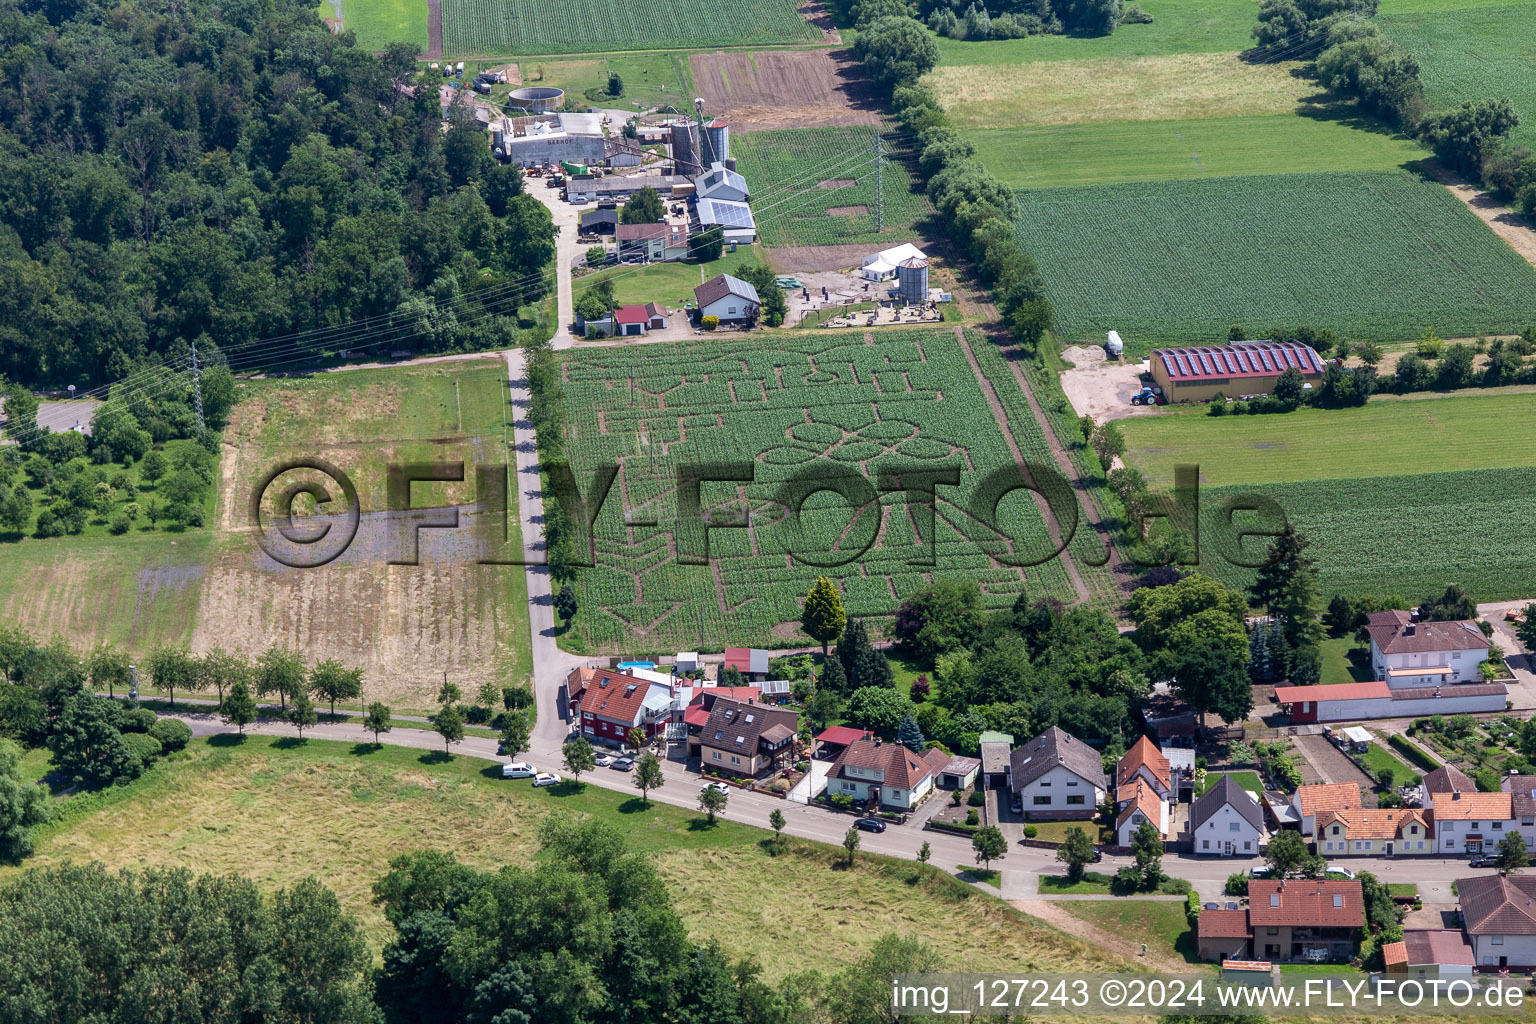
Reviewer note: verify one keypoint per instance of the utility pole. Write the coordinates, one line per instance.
(197, 391)
(879, 185)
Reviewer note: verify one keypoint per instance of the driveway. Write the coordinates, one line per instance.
(567, 220)
(1522, 689)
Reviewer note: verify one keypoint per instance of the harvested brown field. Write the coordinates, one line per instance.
(848, 211)
(837, 183)
(784, 89)
(804, 259)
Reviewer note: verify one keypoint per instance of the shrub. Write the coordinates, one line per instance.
(1239, 408)
(1126, 881)
(172, 733)
(143, 746)
(972, 817)
(977, 798)
(119, 524)
(1175, 887)
(138, 720)
(1030, 831)
(1415, 753)
(1192, 911)
(710, 323)
(1237, 884)
(842, 801)
(956, 797)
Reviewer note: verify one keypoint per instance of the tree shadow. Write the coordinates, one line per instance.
(363, 749)
(289, 743)
(634, 805)
(702, 824)
(491, 771)
(567, 787)
(435, 757)
(227, 739)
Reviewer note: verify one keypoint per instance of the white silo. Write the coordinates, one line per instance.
(719, 135)
(1114, 347)
(912, 281)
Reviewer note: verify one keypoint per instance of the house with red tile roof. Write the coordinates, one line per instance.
(1467, 823)
(1223, 934)
(873, 771)
(1139, 802)
(1304, 918)
(1374, 832)
(1407, 651)
(1430, 953)
(1147, 762)
(610, 704)
(1498, 913)
(1310, 801)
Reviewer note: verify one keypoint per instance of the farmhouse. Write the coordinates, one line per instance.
(729, 298)
(651, 242)
(1200, 373)
(732, 218)
(1354, 702)
(1226, 821)
(1409, 653)
(887, 774)
(1302, 918)
(881, 266)
(1057, 776)
(746, 738)
(1499, 915)
(1370, 832)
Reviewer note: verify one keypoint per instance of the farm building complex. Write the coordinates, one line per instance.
(1202, 372)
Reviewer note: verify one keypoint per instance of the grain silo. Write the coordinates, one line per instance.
(719, 135)
(684, 152)
(912, 281)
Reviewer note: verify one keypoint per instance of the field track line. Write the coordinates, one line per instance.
(434, 29)
(1046, 512)
(1503, 222)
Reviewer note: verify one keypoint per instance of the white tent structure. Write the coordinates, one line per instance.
(881, 266)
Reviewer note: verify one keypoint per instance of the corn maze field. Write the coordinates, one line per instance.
(594, 26)
(905, 402)
(1371, 255)
(1408, 535)
(816, 186)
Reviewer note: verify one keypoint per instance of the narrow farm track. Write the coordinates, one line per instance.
(1046, 512)
(434, 29)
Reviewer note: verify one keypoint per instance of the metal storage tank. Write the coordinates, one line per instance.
(537, 99)
(1114, 347)
(719, 134)
(912, 281)
(684, 153)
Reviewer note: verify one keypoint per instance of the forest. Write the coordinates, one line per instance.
(179, 171)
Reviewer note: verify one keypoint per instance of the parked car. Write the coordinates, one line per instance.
(1098, 855)
(623, 764)
(718, 787)
(870, 824)
(604, 760)
(546, 779)
(1348, 874)
(517, 770)
(1258, 872)
(1483, 861)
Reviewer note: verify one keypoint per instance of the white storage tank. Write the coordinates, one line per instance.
(1114, 346)
(912, 281)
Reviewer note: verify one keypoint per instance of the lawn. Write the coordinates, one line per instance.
(1056, 831)
(597, 26)
(817, 186)
(1468, 53)
(275, 811)
(1384, 438)
(1345, 661)
(1179, 26)
(650, 79)
(1161, 924)
(1104, 152)
(670, 284)
(1397, 534)
(1180, 261)
(1377, 757)
(1093, 883)
(811, 400)
(380, 22)
(1248, 780)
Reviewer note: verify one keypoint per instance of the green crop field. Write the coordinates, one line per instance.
(1179, 26)
(1409, 535)
(814, 403)
(380, 22)
(816, 186)
(1386, 437)
(1108, 152)
(1473, 53)
(1370, 255)
(595, 26)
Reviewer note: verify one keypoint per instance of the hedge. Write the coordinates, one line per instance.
(1415, 753)
(1192, 910)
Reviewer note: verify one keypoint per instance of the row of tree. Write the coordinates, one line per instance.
(999, 19)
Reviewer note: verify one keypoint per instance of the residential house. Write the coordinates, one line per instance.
(651, 243)
(1303, 918)
(1224, 934)
(1310, 801)
(729, 298)
(599, 222)
(614, 703)
(1139, 802)
(1145, 761)
(996, 748)
(887, 774)
(720, 182)
(1444, 780)
(1226, 821)
(1471, 822)
(701, 701)
(1372, 832)
(1499, 917)
(746, 738)
(1430, 953)
(1057, 776)
(1522, 798)
(1407, 652)
(749, 661)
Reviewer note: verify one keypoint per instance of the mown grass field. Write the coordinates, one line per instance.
(381, 22)
(1470, 52)
(1381, 438)
(596, 26)
(1161, 924)
(907, 399)
(816, 186)
(670, 284)
(650, 79)
(1181, 261)
(1102, 153)
(1179, 26)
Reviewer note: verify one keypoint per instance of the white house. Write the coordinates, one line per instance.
(1522, 796)
(888, 773)
(1373, 832)
(1057, 776)
(1226, 821)
(1139, 802)
(881, 266)
(1499, 916)
(720, 182)
(1467, 823)
(1430, 953)
(1408, 653)
(1144, 761)
(1311, 801)
(734, 220)
(729, 298)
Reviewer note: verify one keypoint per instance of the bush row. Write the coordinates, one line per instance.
(1415, 753)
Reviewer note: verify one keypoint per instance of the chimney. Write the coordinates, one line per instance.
(1409, 629)
(1413, 616)
(877, 741)
(1456, 795)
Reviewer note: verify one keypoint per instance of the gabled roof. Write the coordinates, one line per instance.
(1337, 691)
(1056, 748)
(1224, 924)
(1522, 794)
(631, 315)
(903, 769)
(1498, 904)
(1440, 946)
(747, 660)
(1371, 822)
(1305, 902)
(1238, 360)
(617, 696)
(651, 309)
(738, 725)
(1337, 796)
(1448, 779)
(1225, 791)
(1460, 806)
(599, 217)
(842, 735)
(728, 213)
(717, 177)
(1144, 799)
(717, 288)
(1395, 632)
(1143, 753)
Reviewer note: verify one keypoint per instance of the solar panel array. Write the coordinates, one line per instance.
(1247, 359)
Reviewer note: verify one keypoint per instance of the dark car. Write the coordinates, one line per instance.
(1098, 855)
(623, 764)
(870, 824)
(1482, 862)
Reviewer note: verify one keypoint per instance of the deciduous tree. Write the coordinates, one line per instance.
(648, 776)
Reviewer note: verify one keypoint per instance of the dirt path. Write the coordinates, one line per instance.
(434, 29)
(1046, 513)
(1503, 222)
(1052, 914)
